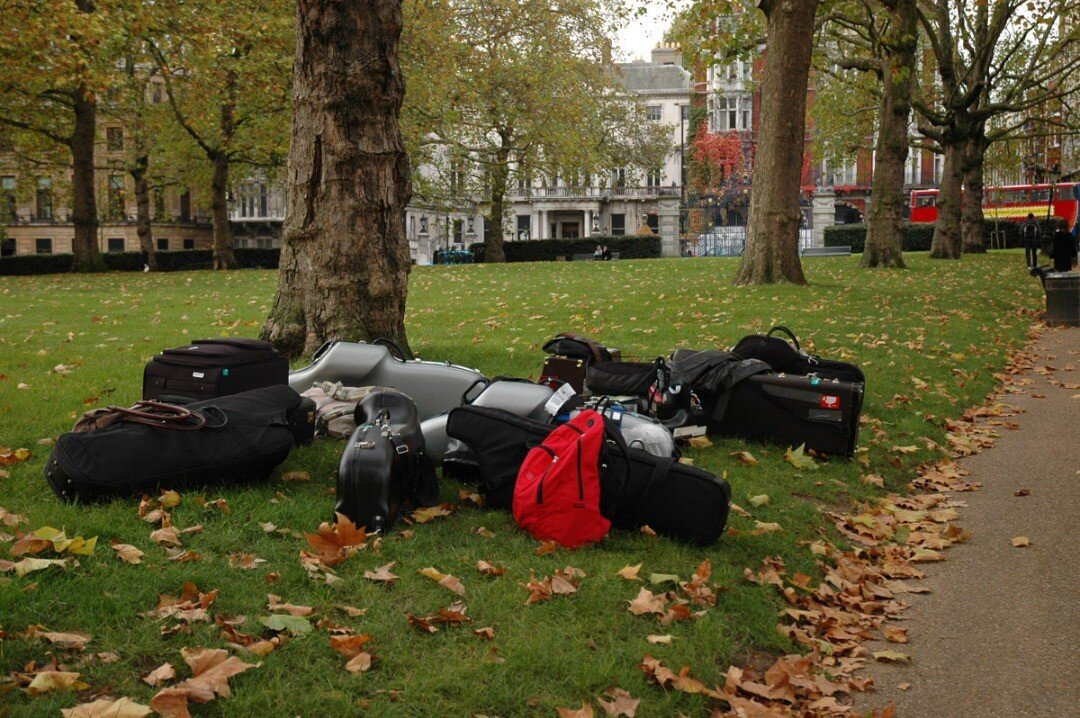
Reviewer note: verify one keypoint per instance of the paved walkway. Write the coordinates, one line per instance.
(999, 634)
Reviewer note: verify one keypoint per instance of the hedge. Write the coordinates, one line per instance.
(919, 237)
(167, 261)
(633, 246)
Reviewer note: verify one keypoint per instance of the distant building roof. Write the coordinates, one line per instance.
(648, 77)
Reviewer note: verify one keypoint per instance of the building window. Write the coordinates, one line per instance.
(44, 200)
(43, 246)
(116, 244)
(654, 113)
(524, 226)
(684, 110)
(618, 177)
(653, 221)
(7, 199)
(114, 139)
(116, 197)
(652, 178)
(254, 200)
(618, 225)
(189, 244)
(459, 231)
(162, 244)
(732, 112)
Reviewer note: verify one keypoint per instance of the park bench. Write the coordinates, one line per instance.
(589, 257)
(826, 251)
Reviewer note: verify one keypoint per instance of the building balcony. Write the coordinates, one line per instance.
(62, 218)
(589, 193)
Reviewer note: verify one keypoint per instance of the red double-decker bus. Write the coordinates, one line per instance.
(1011, 204)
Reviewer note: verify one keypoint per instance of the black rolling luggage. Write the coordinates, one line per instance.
(235, 438)
(789, 411)
(636, 488)
(789, 358)
(209, 368)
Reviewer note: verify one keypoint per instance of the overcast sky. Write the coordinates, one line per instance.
(642, 33)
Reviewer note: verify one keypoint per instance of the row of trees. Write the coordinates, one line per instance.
(967, 73)
(497, 91)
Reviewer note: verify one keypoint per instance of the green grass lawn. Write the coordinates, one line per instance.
(929, 340)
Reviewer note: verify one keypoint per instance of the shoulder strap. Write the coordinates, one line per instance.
(594, 349)
(784, 330)
(635, 515)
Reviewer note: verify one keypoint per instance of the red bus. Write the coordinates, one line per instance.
(1011, 204)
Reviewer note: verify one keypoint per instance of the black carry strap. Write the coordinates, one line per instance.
(784, 330)
(652, 489)
(392, 346)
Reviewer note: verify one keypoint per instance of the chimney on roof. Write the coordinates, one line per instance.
(667, 53)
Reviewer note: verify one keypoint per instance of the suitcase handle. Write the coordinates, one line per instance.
(784, 330)
(392, 346)
(482, 382)
(159, 416)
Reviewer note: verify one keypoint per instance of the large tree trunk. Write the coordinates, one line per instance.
(885, 230)
(142, 210)
(345, 258)
(972, 222)
(83, 196)
(772, 242)
(493, 227)
(947, 242)
(224, 257)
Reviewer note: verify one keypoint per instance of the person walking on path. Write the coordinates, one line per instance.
(1030, 234)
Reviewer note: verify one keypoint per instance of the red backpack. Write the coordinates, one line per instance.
(557, 494)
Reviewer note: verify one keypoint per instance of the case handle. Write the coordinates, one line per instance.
(392, 346)
(785, 330)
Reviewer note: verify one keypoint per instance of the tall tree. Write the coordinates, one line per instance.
(345, 259)
(54, 61)
(771, 253)
(225, 68)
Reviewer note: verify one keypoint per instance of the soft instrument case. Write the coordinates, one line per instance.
(786, 356)
(637, 488)
(118, 452)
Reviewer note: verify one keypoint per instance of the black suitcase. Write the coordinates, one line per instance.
(790, 410)
(788, 357)
(209, 368)
(637, 488)
(244, 437)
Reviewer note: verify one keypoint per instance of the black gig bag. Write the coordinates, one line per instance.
(792, 410)
(636, 488)
(788, 357)
(576, 346)
(209, 368)
(231, 439)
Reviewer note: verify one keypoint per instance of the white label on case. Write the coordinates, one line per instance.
(555, 402)
(198, 374)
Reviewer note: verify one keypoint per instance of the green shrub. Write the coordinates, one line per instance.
(634, 246)
(919, 237)
(26, 264)
(168, 261)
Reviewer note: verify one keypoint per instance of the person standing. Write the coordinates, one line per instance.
(1029, 232)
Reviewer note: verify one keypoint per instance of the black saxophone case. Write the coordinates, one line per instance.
(636, 488)
(241, 437)
(209, 368)
(792, 410)
(787, 357)
(384, 466)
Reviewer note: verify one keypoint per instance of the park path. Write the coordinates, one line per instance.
(999, 633)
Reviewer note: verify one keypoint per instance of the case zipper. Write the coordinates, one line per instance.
(540, 484)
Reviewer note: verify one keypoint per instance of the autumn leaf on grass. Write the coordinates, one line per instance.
(296, 625)
(48, 681)
(585, 711)
(646, 602)
(126, 552)
(191, 605)
(424, 624)
(29, 565)
(166, 536)
(335, 543)
(350, 646)
(758, 500)
(1020, 541)
(316, 569)
(630, 573)
(664, 640)
(382, 574)
(245, 561)
(450, 583)
(745, 457)
(799, 458)
(273, 603)
(620, 703)
(169, 499)
(211, 669)
(57, 541)
(681, 681)
(549, 586)
(430, 513)
(9, 519)
(13, 456)
(892, 656)
(487, 633)
(162, 674)
(107, 708)
(295, 476)
(489, 569)
(547, 547)
(896, 635)
(74, 640)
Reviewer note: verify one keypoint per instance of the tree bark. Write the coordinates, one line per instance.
(947, 241)
(884, 226)
(772, 241)
(83, 195)
(345, 258)
(142, 210)
(224, 257)
(493, 227)
(972, 222)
